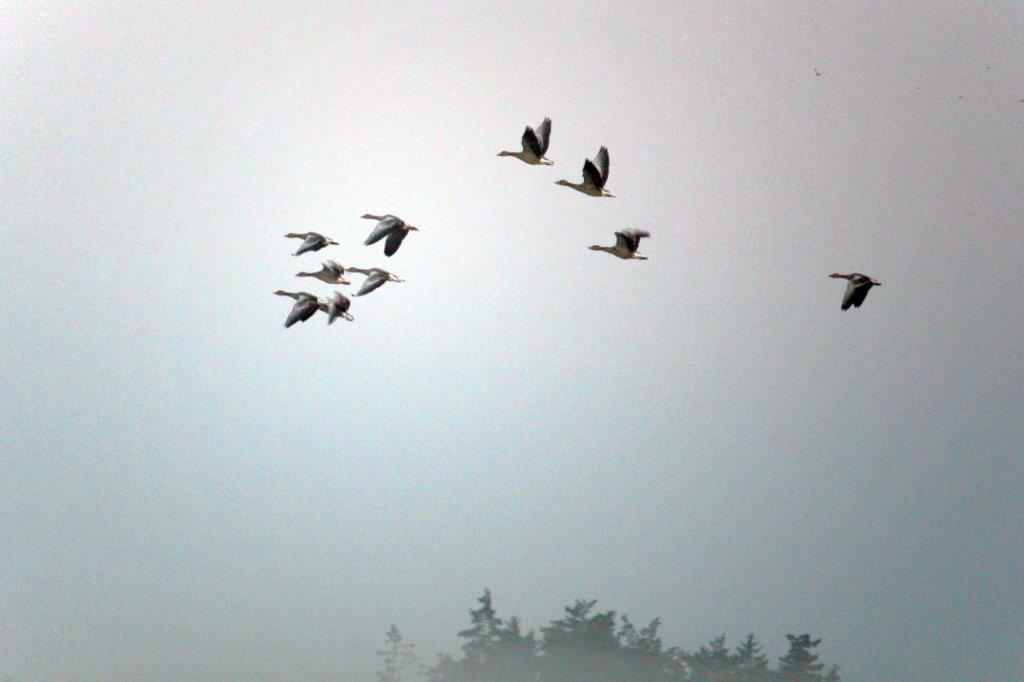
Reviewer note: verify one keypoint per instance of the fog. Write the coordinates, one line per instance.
(190, 491)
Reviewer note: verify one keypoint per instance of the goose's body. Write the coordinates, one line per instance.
(595, 175)
(535, 145)
(337, 306)
(330, 272)
(306, 305)
(375, 278)
(390, 226)
(857, 289)
(311, 241)
(626, 244)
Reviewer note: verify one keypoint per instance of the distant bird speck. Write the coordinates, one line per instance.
(817, 73)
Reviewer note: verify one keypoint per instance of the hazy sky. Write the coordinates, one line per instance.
(188, 490)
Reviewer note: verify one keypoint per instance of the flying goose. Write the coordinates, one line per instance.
(312, 241)
(338, 306)
(594, 176)
(857, 290)
(306, 305)
(375, 278)
(392, 227)
(330, 272)
(535, 145)
(626, 244)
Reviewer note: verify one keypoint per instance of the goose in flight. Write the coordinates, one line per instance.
(392, 227)
(330, 272)
(337, 306)
(594, 176)
(311, 241)
(535, 145)
(857, 289)
(306, 305)
(626, 244)
(375, 278)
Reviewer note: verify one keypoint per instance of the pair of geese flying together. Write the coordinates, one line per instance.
(389, 227)
(332, 272)
(535, 146)
(306, 306)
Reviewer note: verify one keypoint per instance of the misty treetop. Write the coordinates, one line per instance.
(589, 645)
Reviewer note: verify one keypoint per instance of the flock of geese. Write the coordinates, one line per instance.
(393, 230)
(390, 228)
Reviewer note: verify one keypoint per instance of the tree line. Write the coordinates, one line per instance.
(588, 645)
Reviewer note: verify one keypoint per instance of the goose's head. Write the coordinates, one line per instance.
(596, 247)
(410, 227)
(836, 275)
(564, 183)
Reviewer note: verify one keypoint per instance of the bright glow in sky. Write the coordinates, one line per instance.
(187, 490)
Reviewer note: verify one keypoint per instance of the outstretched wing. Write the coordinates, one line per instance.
(383, 228)
(602, 163)
(394, 241)
(374, 281)
(855, 294)
(631, 238)
(860, 292)
(312, 242)
(531, 144)
(544, 135)
(591, 175)
(303, 309)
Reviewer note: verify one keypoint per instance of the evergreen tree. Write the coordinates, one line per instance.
(585, 645)
(642, 649)
(800, 663)
(493, 650)
(397, 658)
(748, 655)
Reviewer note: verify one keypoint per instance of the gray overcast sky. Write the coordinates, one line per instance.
(189, 490)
